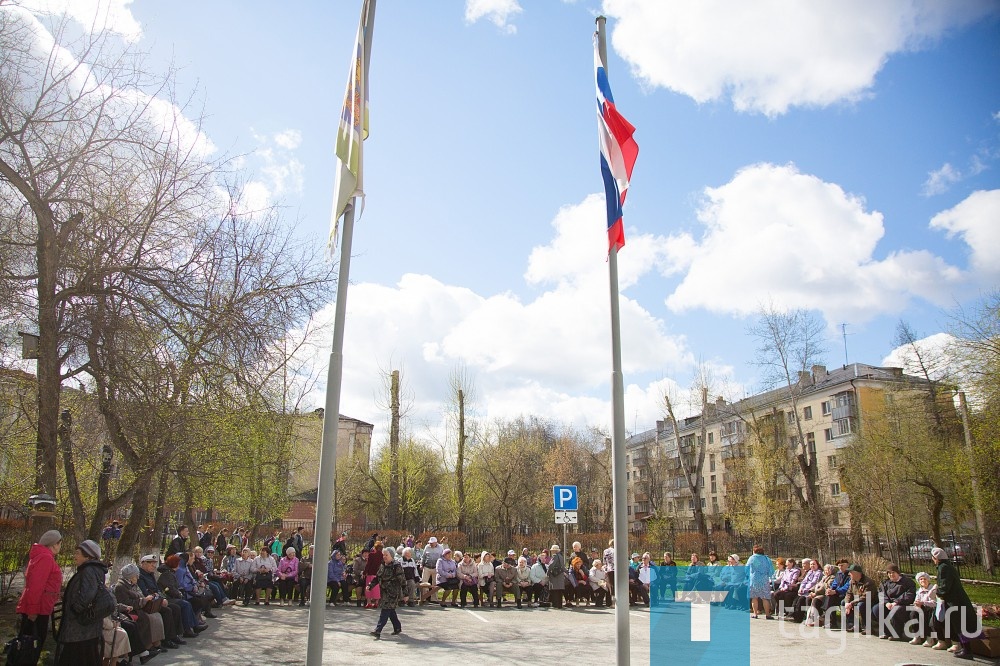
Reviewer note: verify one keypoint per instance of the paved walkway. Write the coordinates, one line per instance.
(261, 635)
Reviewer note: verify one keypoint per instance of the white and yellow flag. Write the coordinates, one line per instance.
(353, 127)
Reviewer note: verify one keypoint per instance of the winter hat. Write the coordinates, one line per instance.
(939, 554)
(91, 549)
(50, 538)
(432, 540)
(129, 570)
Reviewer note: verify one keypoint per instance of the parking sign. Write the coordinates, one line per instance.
(564, 498)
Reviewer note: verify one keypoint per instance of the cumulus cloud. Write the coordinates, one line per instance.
(775, 234)
(93, 16)
(280, 172)
(548, 355)
(975, 219)
(939, 180)
(771, 55)
(497, 12)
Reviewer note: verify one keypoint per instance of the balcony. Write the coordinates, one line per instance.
(843, 412)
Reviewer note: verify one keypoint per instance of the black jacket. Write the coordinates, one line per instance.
(178, 545)
(168, 583)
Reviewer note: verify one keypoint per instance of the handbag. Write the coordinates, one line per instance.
(102, 605)
(21, 650)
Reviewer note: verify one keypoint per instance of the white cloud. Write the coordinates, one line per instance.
(770, 55)
(549, 356)
(774, 234)
(289, 139)
(497, 12)
(935, 350)
(940, 180)
(92, 15)
(977, 220)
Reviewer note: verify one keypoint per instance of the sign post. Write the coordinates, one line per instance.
(566, 503)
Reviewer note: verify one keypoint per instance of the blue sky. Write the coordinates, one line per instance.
(834, 156)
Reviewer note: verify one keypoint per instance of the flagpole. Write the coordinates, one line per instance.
(328, 453)
(619, 488)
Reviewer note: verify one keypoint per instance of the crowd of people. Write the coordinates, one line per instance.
(160, 603)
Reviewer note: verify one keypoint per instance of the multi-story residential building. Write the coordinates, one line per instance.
(827, 406)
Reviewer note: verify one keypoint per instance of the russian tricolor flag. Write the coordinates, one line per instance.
(618, 152)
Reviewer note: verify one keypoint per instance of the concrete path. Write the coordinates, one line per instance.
(261, 635)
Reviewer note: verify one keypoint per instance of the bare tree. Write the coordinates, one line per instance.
(461, 389)
(789, 344)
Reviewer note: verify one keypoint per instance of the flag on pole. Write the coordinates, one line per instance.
(353, 128)
(618, 152)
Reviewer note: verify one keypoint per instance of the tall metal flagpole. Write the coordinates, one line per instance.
(328, 452)
(619, 489)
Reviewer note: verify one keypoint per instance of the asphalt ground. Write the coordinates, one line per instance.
(262, 635)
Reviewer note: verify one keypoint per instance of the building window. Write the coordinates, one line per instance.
(792, 441)
(630, 509)
(807, 413)
(691, 504)
(828, 434)
(827, 408)
(627, 459)
(835, 490)
(703, 502)
(628, 475)
(811, 442)
(842, 427)
(711, 438)
(831, 461)
(715, 505)
(711, 462)
(715, 488)
(836, 518)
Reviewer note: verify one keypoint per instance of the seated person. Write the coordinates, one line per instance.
(858, 600)
(581, 587)
(505, 582)
(818, 595)
(924, 603)
(810, 579)
(599, 584)
(788, 586)
(895, 596)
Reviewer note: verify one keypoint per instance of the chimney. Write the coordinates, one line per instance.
(819, 373)
(804, 376)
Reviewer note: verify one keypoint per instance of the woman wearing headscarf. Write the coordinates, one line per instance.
(86, 602)
(958, 616)
(42, 585)
(446, 577)
(557, 576)
(149, 627)
(928, 629)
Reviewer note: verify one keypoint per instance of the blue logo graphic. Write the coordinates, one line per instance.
(699, 615)
(564, 498)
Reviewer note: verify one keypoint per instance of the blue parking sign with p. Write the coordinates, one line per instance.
(564, 498)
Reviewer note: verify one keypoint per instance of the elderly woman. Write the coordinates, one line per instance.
(468, 577)
(199, 596)
(446, 577)
(412, 574)
(557, 576)
(959, 621)
(813, 575)
(264, 567)
(817, 596)
(372, 565)
(243, 574)
(599, 584)
(390, 579)
(733, 578)
(788, 586)
(335, 574)
(288, 574)
(523, 579)
(42, 585)
(486, 574)
(356, 577)
(927, 627)
(539, 581)
(759, 574)
(86, 602)
(149, 627)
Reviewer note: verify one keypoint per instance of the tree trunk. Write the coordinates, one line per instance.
(46, 452)
(160, 519)
(72, 486)
(393, 508)
(460, 460)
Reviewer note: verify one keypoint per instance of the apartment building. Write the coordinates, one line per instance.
(828, 405)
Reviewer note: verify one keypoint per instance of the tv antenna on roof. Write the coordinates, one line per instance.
(843, 330)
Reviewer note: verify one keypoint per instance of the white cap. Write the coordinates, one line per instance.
(432, 540)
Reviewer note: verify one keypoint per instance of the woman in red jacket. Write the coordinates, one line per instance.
(42, 586)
